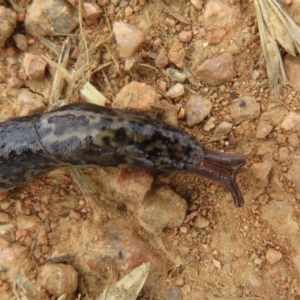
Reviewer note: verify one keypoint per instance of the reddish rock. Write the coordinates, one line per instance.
(27, 222)
(30, 103)
(217, 14)
(185, 36)
(197, 109)
(273, 256)
(133, 185)
(136, 95)
(128, 38)
(215, 36)
(293, 140)
(119, 243)
(34, 66)
(8, 23)
(283, 154)
(161, 59)
(217, 70)
(91, 12)
(197, 4)
(177, 54)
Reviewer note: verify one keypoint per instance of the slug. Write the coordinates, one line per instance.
(88, 135)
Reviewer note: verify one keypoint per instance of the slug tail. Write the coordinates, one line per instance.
(223, 168)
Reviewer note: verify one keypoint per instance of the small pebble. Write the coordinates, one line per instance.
(136, 95)
(244, 108)
(210, 124)
(293, 174)
(263, 129)
(21, 41)
(222, 130)
(27, 222)
(261, 170)
(283, 154)
(162, 209)
(291, 121)
(161, 59)
(91, 12)
(197, 109)
(185, 36)
(293, 140)
(198, 4)
(177, 54)
(34, 66)
(217, 70)
(201, 222)
(273, 256)
(216, 264)
(281, 139)
(215, 36)
(175, 91)
(183, 229)
(29, 103)
(128, 37)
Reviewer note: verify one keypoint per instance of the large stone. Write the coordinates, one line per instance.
(51, 17)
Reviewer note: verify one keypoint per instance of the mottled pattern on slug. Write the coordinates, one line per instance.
(90, 135)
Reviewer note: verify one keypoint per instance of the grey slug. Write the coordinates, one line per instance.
(89, 135)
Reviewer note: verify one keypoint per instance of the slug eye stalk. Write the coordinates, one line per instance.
(223, 168)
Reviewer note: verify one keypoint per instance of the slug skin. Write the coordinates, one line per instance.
(88, 135)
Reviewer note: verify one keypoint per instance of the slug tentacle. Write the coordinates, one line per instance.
(223, 168)
(90, 135)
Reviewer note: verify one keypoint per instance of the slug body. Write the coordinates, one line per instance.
(90, 135)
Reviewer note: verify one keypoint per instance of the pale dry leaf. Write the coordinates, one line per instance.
(276, 28)
(128, 287)
(92, 95)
